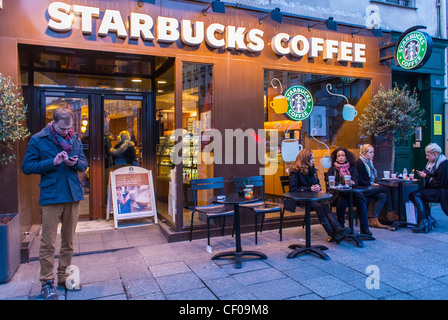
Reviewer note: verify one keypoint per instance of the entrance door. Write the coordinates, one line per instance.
(110, 127)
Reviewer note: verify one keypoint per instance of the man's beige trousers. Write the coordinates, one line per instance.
(68, 213)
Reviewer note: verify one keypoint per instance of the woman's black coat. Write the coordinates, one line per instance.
(298, 182)
(436, 190)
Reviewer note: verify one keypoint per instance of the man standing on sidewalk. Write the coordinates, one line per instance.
(56, 154)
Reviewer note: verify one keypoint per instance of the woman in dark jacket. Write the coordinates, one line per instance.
(343, 163)
(435, 190)
(124, 151)
(303, 177)
(366, 177)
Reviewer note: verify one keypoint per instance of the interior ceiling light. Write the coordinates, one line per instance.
(217, 6)
(276, 15)
(136, 80)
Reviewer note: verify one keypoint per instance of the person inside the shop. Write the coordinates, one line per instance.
(303, 177)
(56, 154)
(343, 164)
(435, 176)
(123, 153)
(379, 194)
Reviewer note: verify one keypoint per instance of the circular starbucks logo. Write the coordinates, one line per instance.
(413, 50)
(300, 102)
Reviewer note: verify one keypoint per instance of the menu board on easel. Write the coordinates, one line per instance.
(131, 190)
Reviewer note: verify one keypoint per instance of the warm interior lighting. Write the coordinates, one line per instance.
(84, 123)
(136, 80)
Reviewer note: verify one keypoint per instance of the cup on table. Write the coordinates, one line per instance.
(393, 176)
(411, 176)
(386, 174)
(248, 193)
(251, 187)
(331, 182)
(347, 179)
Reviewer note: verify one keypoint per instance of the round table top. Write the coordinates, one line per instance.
(352, 189)
(400, 180)
(308, 196)
(235, 198)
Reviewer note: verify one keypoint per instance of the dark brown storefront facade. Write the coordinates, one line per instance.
(152, 68)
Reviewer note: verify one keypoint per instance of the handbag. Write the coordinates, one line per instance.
(411, 213)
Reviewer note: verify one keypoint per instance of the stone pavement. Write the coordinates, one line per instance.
(138, 264)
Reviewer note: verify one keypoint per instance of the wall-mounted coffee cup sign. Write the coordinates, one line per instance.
(326, 162)
(349, 112)
(290, 149)
(279, 103)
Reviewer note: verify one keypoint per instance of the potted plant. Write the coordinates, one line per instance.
(9, 245)
(12, 129)
(394, 112)
(12, 119)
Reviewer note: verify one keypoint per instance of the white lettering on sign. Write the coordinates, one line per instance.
(141, 25)
(87, 14)
(193, 33)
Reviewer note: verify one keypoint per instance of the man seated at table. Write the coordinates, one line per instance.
(303, 177)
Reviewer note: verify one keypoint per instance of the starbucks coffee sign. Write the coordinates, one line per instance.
(300, 102)
(413, 49)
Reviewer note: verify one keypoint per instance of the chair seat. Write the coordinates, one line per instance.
(214, 210)
(262, 207)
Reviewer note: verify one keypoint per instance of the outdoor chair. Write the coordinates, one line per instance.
(258, 207)
(211, 211)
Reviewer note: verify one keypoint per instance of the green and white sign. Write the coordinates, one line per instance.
(300, 102)
(413, 50)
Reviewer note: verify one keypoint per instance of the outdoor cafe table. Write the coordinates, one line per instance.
(350, 191)
(400, 181)
(236, 200)
(307, 197)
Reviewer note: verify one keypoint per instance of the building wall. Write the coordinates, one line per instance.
(239, 81)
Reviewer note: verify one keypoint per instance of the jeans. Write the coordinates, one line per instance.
(69, 214)
(381, 195)
(361, 204)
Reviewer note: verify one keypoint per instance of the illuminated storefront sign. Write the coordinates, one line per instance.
(193, 33)
(413, 50)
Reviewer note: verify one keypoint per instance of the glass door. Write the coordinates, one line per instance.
(110, 129)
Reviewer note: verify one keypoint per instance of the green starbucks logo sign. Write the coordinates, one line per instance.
(300, 102)
(413, 50)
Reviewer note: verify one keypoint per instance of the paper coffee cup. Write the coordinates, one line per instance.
(386, 174)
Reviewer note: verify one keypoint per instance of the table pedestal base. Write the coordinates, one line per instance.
(300, 249)
(238, 256)
(357, 238)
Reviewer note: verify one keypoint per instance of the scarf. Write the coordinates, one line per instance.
(342, 168)
(64, 142)
(370, 168)
(431, 166)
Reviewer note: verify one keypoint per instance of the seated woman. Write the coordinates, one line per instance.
(343, 163)
(366, 177)
(303, 177)
(435, 190)
(124, 151)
